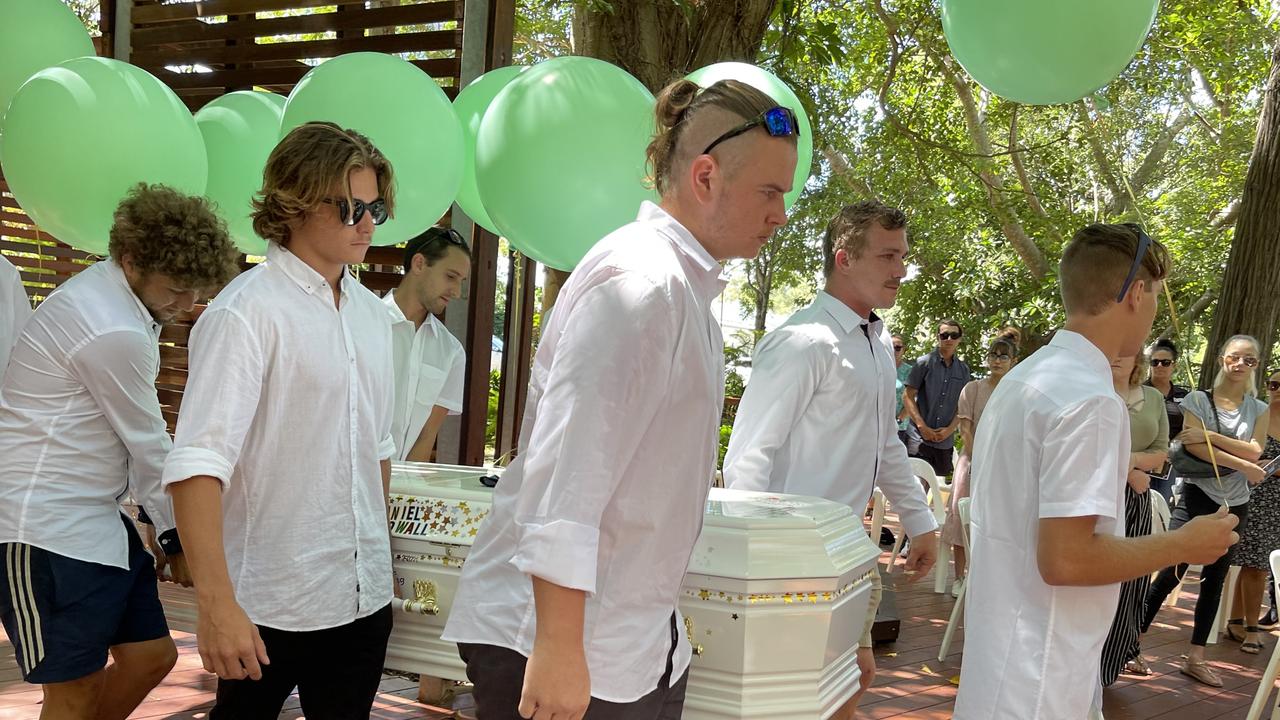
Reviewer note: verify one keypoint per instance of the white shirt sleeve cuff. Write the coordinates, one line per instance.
(919, 523)
(188, 462)
(387, 448)
(561, 552)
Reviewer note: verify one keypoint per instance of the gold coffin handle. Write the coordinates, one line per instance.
(688, 632)
(424, 598)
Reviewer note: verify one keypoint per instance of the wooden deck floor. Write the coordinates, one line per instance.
(911, 683)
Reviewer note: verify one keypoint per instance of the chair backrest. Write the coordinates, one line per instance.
(962, 509)
(923, 470)
(1160, 514)
(1275, 569)
(877, 514)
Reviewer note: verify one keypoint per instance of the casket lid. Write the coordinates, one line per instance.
(452, 482)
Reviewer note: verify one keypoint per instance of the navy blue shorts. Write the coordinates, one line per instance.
(63, 615)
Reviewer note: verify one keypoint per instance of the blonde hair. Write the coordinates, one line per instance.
(1251, 384)
(304, 167)
(682, 101)
(1139, 371)
(174, 234)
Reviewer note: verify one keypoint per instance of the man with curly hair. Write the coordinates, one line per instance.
(80, 428)
(281, 463)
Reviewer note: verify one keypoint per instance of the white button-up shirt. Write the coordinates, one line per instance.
(430, 369)
(619, 446)
(1053, 443)
(817, 417)
(80, 423)
(289, 404)
(15, 309)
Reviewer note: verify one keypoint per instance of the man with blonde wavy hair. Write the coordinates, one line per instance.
(81, 428)
(281, 462)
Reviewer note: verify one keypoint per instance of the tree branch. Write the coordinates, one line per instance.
(1142, 177)
(1032, 199)
(1100, 155)
(1192, 313)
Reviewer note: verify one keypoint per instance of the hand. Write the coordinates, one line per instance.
(1253, 474)
(1192, 436)
(1208, 537)
(1139, 481)
(924, 553)
(229, 642)
(178, 571)
(557, 684)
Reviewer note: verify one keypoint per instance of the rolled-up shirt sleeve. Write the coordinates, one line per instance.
(119, 368)
(221, 398)
(786, 369)
(1078, 466)
(612, 364)
(386, 415)
(900, 485)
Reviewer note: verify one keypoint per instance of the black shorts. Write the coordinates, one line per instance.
(938, 458)
(63, 615)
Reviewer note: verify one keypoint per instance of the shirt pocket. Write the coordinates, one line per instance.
(430, 384)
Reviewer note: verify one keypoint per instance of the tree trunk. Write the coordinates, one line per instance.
(1250, 298)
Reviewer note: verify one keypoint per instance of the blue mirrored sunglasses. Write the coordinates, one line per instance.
(778, 122)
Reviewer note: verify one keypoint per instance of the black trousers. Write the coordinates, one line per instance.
(336, 672)
(1195, 503)
(497, 674)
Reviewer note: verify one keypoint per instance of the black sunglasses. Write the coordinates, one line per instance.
(1144, 242)
(897, 348)
(948, 336)
(778, 121)
(1273, 385)
(1161, 363)
(377, 210)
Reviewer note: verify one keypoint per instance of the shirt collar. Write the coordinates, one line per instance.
(398, 316)
(711, 277)
(301, 273)
(846, 316)
(1081, 346)
(116, 273)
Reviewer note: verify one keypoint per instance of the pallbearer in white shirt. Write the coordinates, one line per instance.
(818, 417)
(1050, 463)
(80, 429)
(430, 363)
(15, 310)
(282, 458)
(567, 603)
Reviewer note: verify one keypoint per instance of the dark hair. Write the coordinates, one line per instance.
(1007, 340)
(1096, 262)
(432, 244)
(677, 106)
(1168, 346)
(952, 323)
(165, 231)
(848, 229)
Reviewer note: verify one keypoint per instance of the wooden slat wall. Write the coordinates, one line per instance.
(226, 37)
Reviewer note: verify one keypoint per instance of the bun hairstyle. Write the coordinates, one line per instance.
(1007, 340)
(679, 104)
(1167, 345)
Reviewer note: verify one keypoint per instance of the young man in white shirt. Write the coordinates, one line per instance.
(1051, 459)
(281, 461)
(430, 362)
(81, 429)
(14, 313)
(567, 602)
(819, 415)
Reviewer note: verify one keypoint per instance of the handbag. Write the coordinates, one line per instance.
(1189, 466)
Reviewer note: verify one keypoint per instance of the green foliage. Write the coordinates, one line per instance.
(725, 431)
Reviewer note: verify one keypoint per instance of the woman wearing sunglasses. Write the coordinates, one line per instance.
(1164, 360)
(1253, 553)
(1235, 421)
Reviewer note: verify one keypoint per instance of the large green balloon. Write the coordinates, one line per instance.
(80, 134)
(1044, 52)
(470, 105)
(240, 129)
(769, 83)
(406, 115)
(34, 35)
(560, 157)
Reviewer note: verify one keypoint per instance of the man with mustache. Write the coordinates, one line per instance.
(819, 415)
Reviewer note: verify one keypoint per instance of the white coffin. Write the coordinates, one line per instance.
(774, 602)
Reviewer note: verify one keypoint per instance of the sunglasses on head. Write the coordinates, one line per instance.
(778, 122)
(351, 215)
(1163, 362)
(947, 335)
(1144, 242)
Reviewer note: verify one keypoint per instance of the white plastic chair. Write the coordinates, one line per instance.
(957, 612)
(877, 515)
(923, 470)
(1267, 684)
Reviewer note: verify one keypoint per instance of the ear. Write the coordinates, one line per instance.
(419, 263)
(704, 172)
(843, 261)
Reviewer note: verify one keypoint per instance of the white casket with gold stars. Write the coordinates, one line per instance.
(773, 604)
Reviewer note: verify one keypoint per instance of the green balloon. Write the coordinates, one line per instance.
(767, 82)
(80, 134)
(34, 35)
(240, 130)
(1045, 52)
(406, 115)
(560, 157)
(471, 105)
